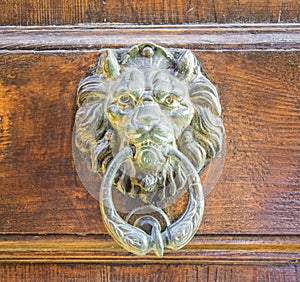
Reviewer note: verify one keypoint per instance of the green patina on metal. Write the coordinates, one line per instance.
(149, 120)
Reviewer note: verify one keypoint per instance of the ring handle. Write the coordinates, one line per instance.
(133, 238)
(179, 233)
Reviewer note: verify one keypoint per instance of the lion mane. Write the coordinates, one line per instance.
(201, 141)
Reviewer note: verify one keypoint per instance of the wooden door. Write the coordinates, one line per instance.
(50, 226)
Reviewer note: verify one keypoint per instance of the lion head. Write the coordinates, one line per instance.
(146, 97)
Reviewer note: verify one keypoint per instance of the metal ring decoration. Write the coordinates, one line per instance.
(150, 121)
(134, 239)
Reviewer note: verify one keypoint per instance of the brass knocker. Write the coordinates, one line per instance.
(150, 122)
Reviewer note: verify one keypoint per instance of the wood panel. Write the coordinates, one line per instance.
(50, 226)
(147, 272)
(49, 12)
(258, 192)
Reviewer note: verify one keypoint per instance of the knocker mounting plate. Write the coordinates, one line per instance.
(149, 123)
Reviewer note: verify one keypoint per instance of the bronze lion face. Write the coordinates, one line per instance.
(156, 112)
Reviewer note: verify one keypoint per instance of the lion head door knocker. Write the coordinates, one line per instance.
(149, 121)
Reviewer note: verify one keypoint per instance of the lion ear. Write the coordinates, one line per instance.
(108, 64)
(187, 65)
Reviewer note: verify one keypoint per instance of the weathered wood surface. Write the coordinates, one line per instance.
(56, 12)
(258, 192)
(147, 273)
(252, 215)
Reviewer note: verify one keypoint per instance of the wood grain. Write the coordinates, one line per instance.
(147, 273)
(258, 192)
(55, 12)
(50, 226)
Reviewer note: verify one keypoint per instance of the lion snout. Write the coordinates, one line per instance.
(148, 115)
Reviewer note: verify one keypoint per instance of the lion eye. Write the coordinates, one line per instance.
(169, 100)
(126, 100)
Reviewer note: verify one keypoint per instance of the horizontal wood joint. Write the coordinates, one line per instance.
(102, 249)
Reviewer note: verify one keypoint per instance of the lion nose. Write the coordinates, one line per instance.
(147, 97)
(148, 115)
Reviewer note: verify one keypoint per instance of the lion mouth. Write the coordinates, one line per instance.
(147, 146)
(157, 136)
(148, 143)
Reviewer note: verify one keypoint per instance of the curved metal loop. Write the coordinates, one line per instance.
(136, 240)
(179, 233)
(131, 238)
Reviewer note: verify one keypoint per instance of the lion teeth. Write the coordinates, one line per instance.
(148, 143)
